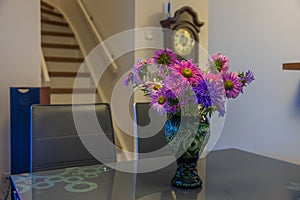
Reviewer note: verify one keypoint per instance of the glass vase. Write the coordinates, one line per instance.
(187, 137)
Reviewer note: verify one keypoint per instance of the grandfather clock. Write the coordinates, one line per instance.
(181, 33)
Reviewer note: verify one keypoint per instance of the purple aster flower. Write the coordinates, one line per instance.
(128, 78)
(232, 84)
(139, 71)
(246, 78)
(164, 99)
(219, 63)
(189, 71)
(164, 57)
(175, 83)
(159, 101)
(203, 94)
(173, 102)
(216, 93)
(139, 64)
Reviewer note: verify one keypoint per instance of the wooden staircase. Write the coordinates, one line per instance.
(63, 58)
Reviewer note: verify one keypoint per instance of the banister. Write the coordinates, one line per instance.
(45, 72)
(99, 38)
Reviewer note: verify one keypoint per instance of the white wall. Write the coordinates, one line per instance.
(20, 60)
(261, 35)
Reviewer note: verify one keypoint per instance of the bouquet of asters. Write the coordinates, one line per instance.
(175, 84)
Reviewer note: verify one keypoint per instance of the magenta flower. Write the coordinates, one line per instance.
(232, 84)
(219, 63)
(164, 57)
(189, 71)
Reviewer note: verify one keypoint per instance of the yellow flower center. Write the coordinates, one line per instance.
(186, 72)
(228, 85)
(161, 100)
(157, 87)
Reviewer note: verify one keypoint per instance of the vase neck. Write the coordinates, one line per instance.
(177, 117)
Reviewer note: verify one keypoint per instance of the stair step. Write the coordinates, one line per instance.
(64, 67)
(70, 82)
(58, 39)
(52, 17)
(69, 74)
(70, 90)
(47, 5)
(63, 59)
(54, 33)
(52, 27)
(62, 46)
(50, 12)
(59, 52)
(52, 22)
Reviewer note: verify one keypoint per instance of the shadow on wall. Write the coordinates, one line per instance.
(296, 105)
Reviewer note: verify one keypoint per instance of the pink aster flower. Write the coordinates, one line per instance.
(212, 77)
(232, 84)
(153, 86)
(164, 57)
(150, 61)
(189, 71)
(219, 63)
(139, 64)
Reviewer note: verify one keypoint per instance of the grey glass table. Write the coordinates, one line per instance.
(227, 175)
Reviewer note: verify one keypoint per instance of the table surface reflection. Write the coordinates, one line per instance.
(227, 174)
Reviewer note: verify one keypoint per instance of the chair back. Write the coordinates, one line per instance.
(57, 141)
(149, 129)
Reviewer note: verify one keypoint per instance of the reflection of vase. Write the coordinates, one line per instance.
(187, 138)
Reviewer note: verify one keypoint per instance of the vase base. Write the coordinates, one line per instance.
(180, 183)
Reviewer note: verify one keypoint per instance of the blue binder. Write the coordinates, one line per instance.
(21, 100)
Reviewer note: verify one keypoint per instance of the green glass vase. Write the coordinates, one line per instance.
(187, 137)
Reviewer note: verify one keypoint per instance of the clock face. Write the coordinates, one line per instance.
(183, 42)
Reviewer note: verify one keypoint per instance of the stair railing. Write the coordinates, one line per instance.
(99, 38)
(44, 67)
